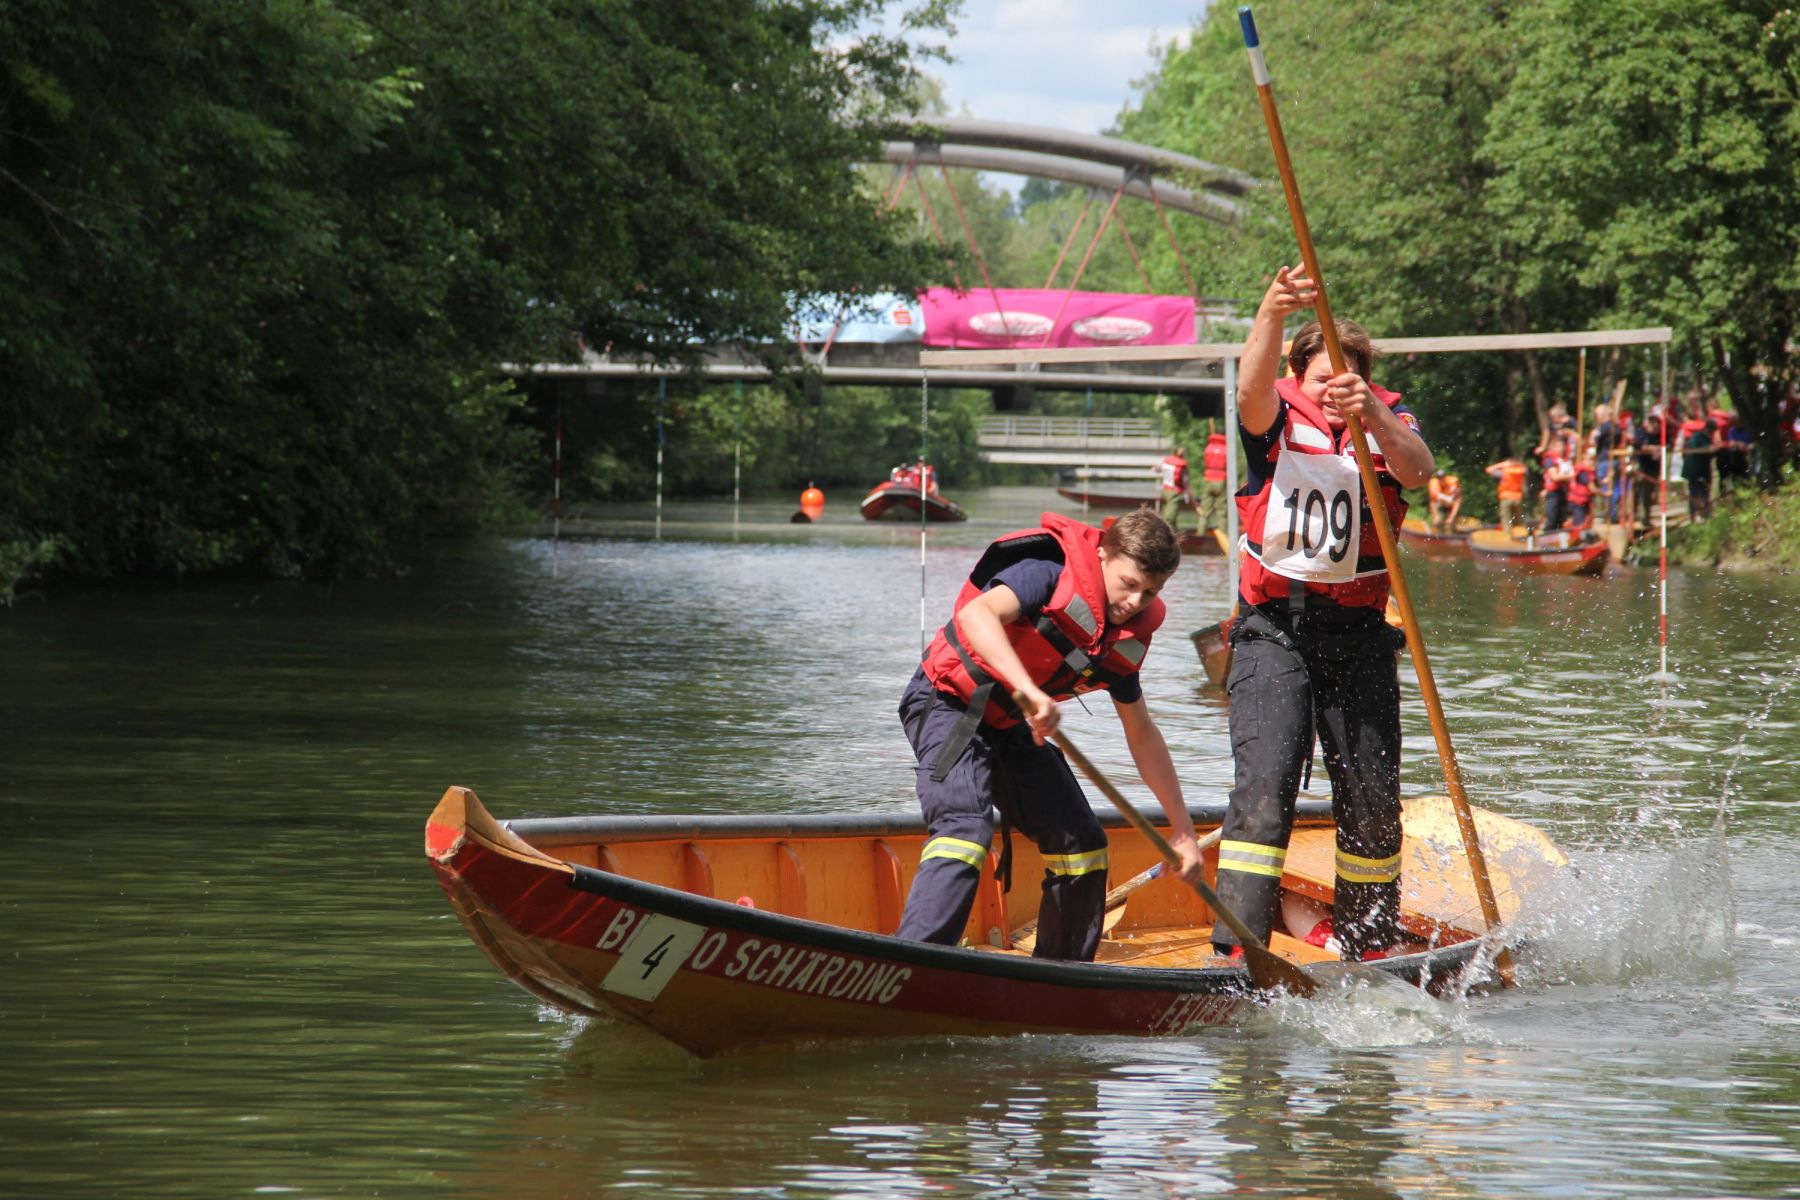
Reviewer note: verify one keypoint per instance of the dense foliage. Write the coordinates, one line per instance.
(1526, 166)
(262, 257)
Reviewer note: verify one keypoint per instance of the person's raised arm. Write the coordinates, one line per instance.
(983, 622)
(1409, 459)
(1259, 366)
(1151, 754)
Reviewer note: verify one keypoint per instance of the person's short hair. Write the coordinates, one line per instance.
(1144, 537)
(1353, 339)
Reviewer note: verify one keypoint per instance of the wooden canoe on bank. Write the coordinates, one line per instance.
(899, 499)
(1416, 534)
(725, 934)
(1559, 553)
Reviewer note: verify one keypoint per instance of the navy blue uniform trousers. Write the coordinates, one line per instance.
(1331, 668)
(1034, 783)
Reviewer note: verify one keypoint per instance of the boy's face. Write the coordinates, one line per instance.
(1129, 588)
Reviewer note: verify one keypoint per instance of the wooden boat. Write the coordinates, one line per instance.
(1559, 553)
(725, 934)
(1202, 542)
(1126, 498)
(1213, 644)
(901, 498)
(1416, 534)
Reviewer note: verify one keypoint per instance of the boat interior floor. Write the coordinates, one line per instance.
(1183, 946)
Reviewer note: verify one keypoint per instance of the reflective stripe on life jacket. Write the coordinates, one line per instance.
(1069, 648)
(1306, 431)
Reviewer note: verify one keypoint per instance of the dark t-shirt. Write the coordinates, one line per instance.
(1033, 581)
(1606, 436)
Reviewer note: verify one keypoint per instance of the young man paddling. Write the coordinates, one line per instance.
(1311, 649)
(1048, 613)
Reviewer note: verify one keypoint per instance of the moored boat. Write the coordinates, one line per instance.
(1558, 553)
(1117, 497)
(726, 934)
(1417, 534)
(1202, 542)
(890, 497)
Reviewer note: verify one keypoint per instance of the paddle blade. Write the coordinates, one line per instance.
(1271, 972)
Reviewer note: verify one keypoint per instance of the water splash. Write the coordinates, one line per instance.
(1362, 1010)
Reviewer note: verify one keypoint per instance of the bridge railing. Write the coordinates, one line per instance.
(1069, 433)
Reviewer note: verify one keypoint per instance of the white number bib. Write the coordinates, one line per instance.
(1313, 528)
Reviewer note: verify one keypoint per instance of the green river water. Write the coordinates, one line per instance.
(228, 971)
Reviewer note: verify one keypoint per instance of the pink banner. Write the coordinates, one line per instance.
(986, 318)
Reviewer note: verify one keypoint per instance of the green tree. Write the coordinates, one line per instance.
(1649, 150)
(263, 258)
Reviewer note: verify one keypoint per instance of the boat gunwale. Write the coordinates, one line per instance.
(548, 832)
(713, 913)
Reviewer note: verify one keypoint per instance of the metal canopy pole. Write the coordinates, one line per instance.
(737, 464)
(1231, 475)
(662, 395)
(924, 457)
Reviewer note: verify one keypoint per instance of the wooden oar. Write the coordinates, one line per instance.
(1268, 970)
(1384, 528)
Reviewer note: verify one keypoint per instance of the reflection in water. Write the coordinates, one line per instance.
(1046, 1118)
(228, 971)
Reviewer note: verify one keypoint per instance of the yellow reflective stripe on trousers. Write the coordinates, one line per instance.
(1252, 858)
(949, 847)
(1353, 868)
(1076, 864)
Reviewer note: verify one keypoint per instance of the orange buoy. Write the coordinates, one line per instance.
(812, 497)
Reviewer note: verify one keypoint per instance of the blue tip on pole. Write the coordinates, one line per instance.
(1247, 21)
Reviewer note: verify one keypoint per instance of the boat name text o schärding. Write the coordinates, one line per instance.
(774, 964)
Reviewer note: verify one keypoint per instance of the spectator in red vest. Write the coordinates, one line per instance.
(1212, 483)
(1174, 471)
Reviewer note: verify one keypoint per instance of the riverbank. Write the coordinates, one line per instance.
(1748, 531)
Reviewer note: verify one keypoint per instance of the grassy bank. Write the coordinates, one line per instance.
(1749, 530)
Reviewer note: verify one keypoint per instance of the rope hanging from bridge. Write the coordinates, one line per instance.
(969, 236)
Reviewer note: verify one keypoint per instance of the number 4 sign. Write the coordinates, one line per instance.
(650, 959)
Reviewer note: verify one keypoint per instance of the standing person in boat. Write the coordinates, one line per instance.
(1601, 441)
(1444, 494)
(1174, 471)
(1311, 650)
(1511, 491)
(1580, 491)
(1557, 470)
(1047, 613)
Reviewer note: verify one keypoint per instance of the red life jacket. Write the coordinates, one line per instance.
(1174, 473)
(1068, 649)
(1553, 465)
(1581, 487)
(1213, 464)
(1259, 584)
